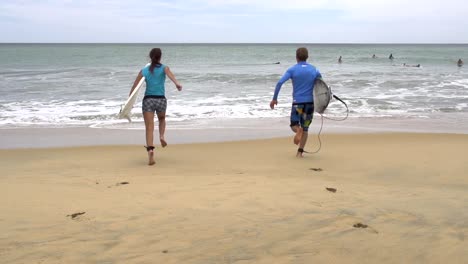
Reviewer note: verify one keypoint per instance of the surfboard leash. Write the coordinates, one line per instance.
(347, 110)
(319, 139)
(321, 125)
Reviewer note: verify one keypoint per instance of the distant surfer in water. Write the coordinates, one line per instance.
(409, 65)
(460, 63)
(373, 56)
(340, 60)
(303, 76)
(155, 99)
(391, 56)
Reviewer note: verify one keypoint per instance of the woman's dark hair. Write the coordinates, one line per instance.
(155, 56)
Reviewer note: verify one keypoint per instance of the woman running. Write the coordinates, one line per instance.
(155, 99)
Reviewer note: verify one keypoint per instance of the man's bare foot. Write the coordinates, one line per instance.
(300, 153)
(151, 158)
(298, 136)
(163, 142)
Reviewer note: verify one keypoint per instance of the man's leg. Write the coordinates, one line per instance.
(299, 134)
(306, 120)
(295, 124)
(302, 144)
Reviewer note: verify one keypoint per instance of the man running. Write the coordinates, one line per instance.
(303, 76)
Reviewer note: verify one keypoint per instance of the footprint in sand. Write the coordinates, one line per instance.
(73, 216)
(117, 184)
(361, 225)
(316, 169)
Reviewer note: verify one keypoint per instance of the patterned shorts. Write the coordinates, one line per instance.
(157, 105)
(302, 114)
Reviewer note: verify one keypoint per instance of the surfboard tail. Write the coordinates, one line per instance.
(122, 115)
(322, 96)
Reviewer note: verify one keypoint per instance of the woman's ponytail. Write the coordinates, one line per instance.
(155, 56)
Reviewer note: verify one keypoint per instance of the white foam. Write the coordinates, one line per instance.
(72, 96)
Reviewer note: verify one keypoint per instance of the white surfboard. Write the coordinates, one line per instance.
(126, 109)
(322, 96)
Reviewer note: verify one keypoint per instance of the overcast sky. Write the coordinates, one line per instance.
(233, 21)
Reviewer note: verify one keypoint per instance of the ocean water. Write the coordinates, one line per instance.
(65, 85)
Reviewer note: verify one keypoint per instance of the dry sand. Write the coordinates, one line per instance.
(240, 202)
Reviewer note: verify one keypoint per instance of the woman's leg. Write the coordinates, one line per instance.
(149, 127)
(162, 128)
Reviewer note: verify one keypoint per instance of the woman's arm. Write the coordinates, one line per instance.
(173, 78)
(137, 80)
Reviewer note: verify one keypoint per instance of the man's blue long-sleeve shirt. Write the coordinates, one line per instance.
(303, 76)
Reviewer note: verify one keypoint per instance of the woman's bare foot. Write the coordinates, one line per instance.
(150, 151)
(151, 158)
(163, 142)
(298, 136)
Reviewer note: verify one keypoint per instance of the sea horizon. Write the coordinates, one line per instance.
(247, 43)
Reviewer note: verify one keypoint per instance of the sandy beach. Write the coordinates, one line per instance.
(400, 198)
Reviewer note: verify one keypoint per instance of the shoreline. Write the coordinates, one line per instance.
(214, 131)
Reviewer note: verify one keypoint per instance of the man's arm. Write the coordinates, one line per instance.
(319, 75)
(283, 79)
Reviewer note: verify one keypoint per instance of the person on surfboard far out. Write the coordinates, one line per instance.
(303, 77)
(155, 99)
(460, 63)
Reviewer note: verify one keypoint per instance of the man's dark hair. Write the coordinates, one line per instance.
(302, 54)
